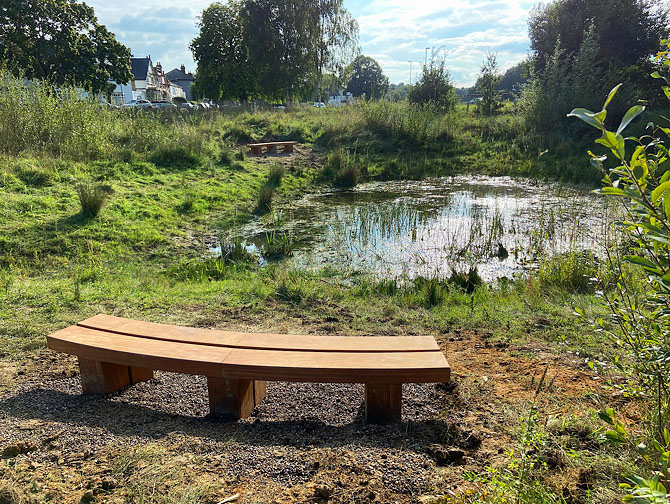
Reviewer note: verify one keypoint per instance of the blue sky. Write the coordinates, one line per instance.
(393, 32)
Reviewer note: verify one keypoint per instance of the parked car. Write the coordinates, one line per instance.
(164, 105)
(278, 106)
(187, 105)
(138, 104)
(319, 105)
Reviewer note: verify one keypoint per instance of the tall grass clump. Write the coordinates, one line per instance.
(340, 167)
(92, 197)
(574, 272)
(275, 175)
(264, 202)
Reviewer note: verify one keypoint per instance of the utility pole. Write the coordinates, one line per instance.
(410, 72)
(425, 58)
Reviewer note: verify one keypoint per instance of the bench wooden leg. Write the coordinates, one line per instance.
(260, 387)
(382, 403)
(288, 148)
(138, 374)
(236, 398)
(256, 151)
(102, 377)
(271, 149)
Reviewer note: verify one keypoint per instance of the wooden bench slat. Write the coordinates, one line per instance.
(335, 367)
(281, 365)
(261, 340)
(139, 352)
(265, 144)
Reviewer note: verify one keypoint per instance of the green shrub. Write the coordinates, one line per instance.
(34, 177)
(466, 280)
(225, 157)
(174, 156)
(264, 203)
(347, 177)
(92, 197)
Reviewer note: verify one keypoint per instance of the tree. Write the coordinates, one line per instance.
(434, 87)
(61, 41)
(220, 50)
(280, 42)
(337, 39)
(628, 31)
(488, 81)
(367, 78)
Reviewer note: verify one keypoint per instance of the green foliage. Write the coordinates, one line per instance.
(62, 42)
(656, 488)
(434, 88)
(582, 49)
(367, 78)
(639, 323)
(92, 197)
(487, 84)
(520, 479)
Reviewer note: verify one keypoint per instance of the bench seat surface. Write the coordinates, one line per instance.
(265, 144)
(258, 356)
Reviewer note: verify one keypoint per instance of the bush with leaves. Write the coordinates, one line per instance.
(640, 322)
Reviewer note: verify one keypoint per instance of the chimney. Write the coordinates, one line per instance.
(183, 69)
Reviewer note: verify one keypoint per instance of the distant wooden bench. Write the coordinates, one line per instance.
(271, 147)
(116, 352)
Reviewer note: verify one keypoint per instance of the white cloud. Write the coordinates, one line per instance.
(392, 31)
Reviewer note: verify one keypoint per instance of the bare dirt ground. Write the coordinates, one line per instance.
(304, 443)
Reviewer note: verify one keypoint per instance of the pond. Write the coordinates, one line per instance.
(432, 227)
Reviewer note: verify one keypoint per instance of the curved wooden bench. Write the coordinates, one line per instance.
(115, 352)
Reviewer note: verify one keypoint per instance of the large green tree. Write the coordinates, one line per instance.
(367, 78)
(224, 69)
(281, 46)
(61, 41)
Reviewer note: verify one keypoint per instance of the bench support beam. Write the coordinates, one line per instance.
(234, 398)
(383, 403)
(105, 378)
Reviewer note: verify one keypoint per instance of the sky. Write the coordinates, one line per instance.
(394, 32)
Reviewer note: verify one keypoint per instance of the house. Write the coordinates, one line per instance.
(149, 82)
(184, 80)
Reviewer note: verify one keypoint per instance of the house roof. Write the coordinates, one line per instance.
(176, 74)
(140, 67)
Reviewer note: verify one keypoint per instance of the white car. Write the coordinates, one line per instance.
(139, 104)
(319, 104)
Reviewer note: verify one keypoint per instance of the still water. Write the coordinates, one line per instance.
(501, 225)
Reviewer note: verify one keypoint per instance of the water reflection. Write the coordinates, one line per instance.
(432, 227)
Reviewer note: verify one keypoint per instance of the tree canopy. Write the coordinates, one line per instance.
(367, 78)
(583, 48)
(271, 49)
(61, 41)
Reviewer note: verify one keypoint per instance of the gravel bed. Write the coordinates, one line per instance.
(295, 430)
